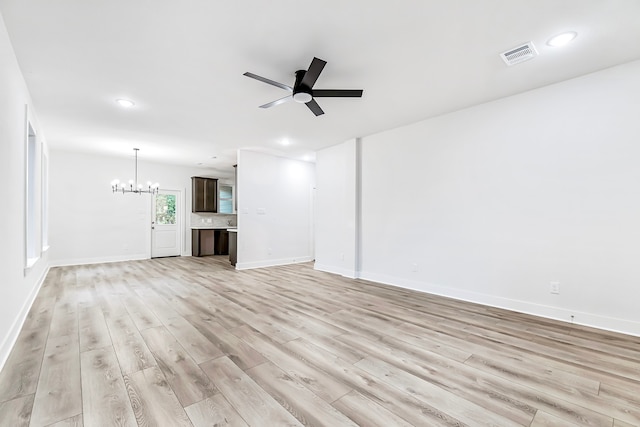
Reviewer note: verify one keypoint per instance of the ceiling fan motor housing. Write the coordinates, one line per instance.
(301, 92)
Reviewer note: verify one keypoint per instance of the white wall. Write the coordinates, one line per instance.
(337, 190)
(274, 210)
(90, 224)
(17, 286)
(492, 203)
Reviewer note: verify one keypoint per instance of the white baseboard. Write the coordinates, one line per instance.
(98, 260)
(272, 262)
(16, 327)
(346, 272)
(556, 313)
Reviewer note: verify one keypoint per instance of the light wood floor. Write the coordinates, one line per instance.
(189, 341)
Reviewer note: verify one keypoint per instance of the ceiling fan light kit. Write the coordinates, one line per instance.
(302, 91)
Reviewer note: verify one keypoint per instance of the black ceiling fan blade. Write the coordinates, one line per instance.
(315, 108)
(313, 72)
(277, 102)
(268, 81)
(346, 93)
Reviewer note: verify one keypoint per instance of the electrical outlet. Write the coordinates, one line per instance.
(554, 287)
(414, 267)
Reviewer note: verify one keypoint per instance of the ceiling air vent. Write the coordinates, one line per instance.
(519, 54)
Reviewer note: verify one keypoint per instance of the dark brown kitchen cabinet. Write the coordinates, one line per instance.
(222, 242)
(205, 194)
(203, 242)
(233, 247)
(209, 241)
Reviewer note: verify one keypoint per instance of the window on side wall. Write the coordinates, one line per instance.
(32, 251)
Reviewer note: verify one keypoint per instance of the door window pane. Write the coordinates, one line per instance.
(166, 209)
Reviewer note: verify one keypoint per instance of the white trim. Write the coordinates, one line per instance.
(272, 262)
(556, 313)
(44, 196)
(30, 262)
(97, 260)
(346, 272)
(16, 327)
(31, 254)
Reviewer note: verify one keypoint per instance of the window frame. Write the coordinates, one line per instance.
(32, 251)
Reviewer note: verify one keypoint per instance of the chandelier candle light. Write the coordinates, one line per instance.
(133, 186)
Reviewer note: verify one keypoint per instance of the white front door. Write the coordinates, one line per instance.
(165, 224)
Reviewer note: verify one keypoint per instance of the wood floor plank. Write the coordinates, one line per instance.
(20, 374)
(447, 374)
(214, 411)
(184, 376)
(618, 423)
(160, 307)
(141, 315)
(413, 334)
(16, 412)
(273, 329)
(252, 403)
(237, 350)
(543, 419)
(622, 410)
(58, 393)
(153, 401)
(445, 401)
(76, 421)
(195, 343)
(104, 398)
(41, 312)
(316, 380)
(364, 412)
(111, 304)
(93, 328)
(133, 353)
(302, 403)
(405, 406)
(215, 307)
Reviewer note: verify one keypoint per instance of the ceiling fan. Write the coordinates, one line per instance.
(303, 91)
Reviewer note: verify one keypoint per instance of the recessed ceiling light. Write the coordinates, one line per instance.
(285, 142)
(126, 103)
(562, 39)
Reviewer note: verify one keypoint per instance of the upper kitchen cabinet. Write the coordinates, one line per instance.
(205, 194)
(225, 198)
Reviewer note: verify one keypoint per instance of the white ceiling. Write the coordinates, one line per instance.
(182, 63)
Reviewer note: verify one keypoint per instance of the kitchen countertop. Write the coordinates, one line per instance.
(212, 227)
(232, 230)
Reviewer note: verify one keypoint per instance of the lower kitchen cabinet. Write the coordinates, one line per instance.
(222, 242)
(203, 242)
(233, 247)
(209, 241)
